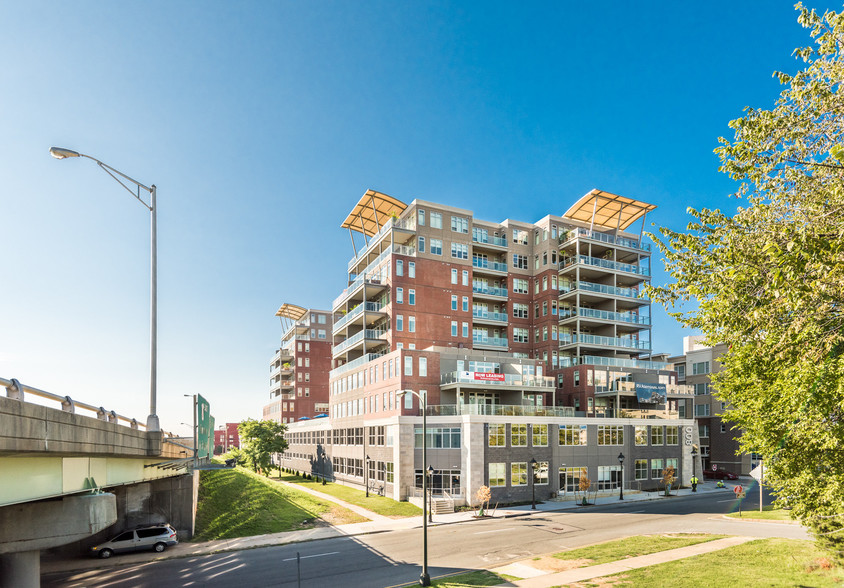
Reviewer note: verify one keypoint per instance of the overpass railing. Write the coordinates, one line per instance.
(17, 391)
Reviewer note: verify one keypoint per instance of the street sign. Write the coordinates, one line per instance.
(756, 473)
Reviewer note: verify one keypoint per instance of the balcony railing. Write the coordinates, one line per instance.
(356, 312)
(409, 224)
(489, 341)
(612, 362)
(606, 315)
(369, 274)
(509, 380)
(490, 265)
(605, 263)
(357, 338)
(486, 239)
(500, 410)
(601, 288)
(479, 313)
(603, 237)
(489, 290)
(605, 341)
(355, 363)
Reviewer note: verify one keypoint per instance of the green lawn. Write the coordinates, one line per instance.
(238, 503)
(479, 578)
(378, 504)
(769, 514)
(763, 562)
(633, 547)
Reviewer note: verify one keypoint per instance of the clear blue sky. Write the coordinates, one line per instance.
(262, 123)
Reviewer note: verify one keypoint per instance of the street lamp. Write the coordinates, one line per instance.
(621, 486)
(430, 472)
(195, 445)
(533, 482)
(694, 455)
(424, 578)
(367, 475)
(59, 153)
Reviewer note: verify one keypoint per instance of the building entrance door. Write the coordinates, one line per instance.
(563, 482)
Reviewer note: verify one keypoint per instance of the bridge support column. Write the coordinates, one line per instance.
(22, 569)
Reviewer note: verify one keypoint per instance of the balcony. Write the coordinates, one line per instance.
(370, 275)
(602, 289)
(500, 410)
(487, 240)
(356, 363)
(605, 315)
(621, 362)
(406, 224)
(604, 341)
(356, 312)
(486, 315)
(489, 266)
(604, 238)
(517, 380)
(606, 264)
(357, 338)
(499, 343)
(490, 291)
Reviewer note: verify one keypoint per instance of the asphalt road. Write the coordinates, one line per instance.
(394, 557)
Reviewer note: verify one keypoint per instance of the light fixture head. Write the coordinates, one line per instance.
(60, 153)
(430, 470)
(620, 458)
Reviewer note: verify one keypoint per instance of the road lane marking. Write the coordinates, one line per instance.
(493, 531)
(315, 555)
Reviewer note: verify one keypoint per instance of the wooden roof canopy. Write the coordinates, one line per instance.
(291, 311)
(371, 212)
(608, 211)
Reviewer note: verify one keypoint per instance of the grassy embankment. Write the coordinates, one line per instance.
(238, 503)
(769, 513)
(378, 504)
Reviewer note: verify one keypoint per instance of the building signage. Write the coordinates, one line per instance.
(483, 376)
(651, 393)
(204, 428)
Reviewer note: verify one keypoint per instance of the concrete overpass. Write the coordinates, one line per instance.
(56, 465)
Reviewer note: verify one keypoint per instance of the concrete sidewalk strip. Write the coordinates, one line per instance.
(364, 512)
(618, 567)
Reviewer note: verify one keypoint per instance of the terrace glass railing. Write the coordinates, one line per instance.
(602, 289)
(500, 410)
(605, 263)
(489, 341)
(509, 380)
(407, 224)
(356, 312)
(357, 338)
(499, 241)
(355, 363)
(604, 238)
(612, 362)
(490, 265)
(489, 315)
(490, 290)
(605, 341)
(606, 315)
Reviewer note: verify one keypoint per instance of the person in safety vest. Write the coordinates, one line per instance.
(720, 484)
(694, 482)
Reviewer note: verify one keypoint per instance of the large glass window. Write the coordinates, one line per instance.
(641, 434)
(518, 435)
(459, 224)
(497, 475)
(701, 367)
(436, 246)
(656, 469)
(540, 473)
(641, 469)
(672, 435)
(540, 438)
(610, 435)
(460, 250)
(572, 434)
(497, 435)
(518, 473)
(656, 435)
(609, 477)
(439, 437)
(436, 220)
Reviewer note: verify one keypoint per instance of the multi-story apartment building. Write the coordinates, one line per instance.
(226, 437)
(719, 447)
(516, 334)
(299, 369)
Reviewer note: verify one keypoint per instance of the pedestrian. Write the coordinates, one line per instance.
(694, 481)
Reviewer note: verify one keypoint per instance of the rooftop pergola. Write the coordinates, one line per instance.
(608, 211)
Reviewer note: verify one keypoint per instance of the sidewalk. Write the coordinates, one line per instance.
(376, 524)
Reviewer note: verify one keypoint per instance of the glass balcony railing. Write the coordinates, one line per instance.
(486, 239)
(371, 274)
(490, 265)
(357, 338)
(356, 312)
(606, 315)
(601, 288)
(407, 224)
(604, 341)
(605, 263)
(355, 363)
(604, 238)
(612, 362)
(509, 380)
(489, 290)
(479, 313)
(500, 410)
(489, 341)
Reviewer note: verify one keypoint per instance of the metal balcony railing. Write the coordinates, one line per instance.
(490, 265)
(489, 315)
(509, 380)
(604, 238)
(489, 290)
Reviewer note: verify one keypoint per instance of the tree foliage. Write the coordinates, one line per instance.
(769, 281)
(259, 440)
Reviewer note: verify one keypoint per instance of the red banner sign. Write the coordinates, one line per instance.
(489, 377)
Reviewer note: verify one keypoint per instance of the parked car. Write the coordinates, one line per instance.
(154, 537)
(719, 475)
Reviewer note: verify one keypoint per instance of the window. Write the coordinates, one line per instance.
(497, 435)
(520, 237)
(520, 335)
(420, 244)
(703, 431)
(436, 220)
(408, 365)
(520, 310)
(423, 367)
(439, 438)
(454, 278)
(701, 410)
(497, 475)
(544, 282)
(540, 473)
(411, 324)
(701, 389)
(609, 477)
(520, 286)
(453, 328)
(656, 435)
(518, 435)
(641, 434)
(399, 322)
(518, 473)
(399, 267)
(672, 435)
(610, 435)
(656, 469)
(465, 277)
(572, 434)
(680, 368)
(411, 269)
(723, 428)
(321, 334)
(459, 224)
(411, 297)
(399, 295)
(465, 329)
(408, 401)
(436, 246)
(641, 469)
(700, 368)
(421, 215)
(460, 250)
(465, 304)
(388, 471)
(539, 434)
(520, 261)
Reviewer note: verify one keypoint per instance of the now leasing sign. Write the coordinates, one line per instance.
(488, 377)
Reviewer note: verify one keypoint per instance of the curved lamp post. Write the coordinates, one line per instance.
(424, 578)
(621, 486)
(533, 482)
(59, 153)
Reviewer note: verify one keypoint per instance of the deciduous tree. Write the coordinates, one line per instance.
(259, 440)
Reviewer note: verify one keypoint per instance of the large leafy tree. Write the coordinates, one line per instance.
(769, 281)
(259, 440)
